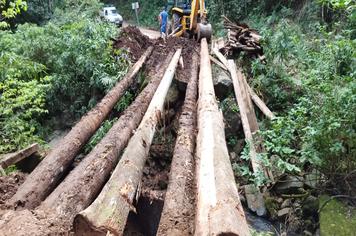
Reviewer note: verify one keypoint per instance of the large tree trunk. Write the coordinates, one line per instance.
(219, 210)
(108, 213)
(178, 215)
(46, 176)
(84, 183)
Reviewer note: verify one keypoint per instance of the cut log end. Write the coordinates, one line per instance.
(84, 227)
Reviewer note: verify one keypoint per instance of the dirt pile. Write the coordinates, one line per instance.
(132, 40)
(189, 47)
(156, 172)
(9, 185)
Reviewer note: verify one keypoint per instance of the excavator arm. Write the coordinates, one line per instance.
(195, 21)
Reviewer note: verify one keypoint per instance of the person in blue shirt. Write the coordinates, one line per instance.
(163, 20)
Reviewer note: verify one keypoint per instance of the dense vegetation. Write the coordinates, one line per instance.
(309, 80)
(53, 73)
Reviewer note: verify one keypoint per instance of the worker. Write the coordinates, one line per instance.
(163, 20)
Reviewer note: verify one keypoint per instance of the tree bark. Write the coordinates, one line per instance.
(84, 183)
(219, 210)
(52, 168)
(178, 215)
(108, 214)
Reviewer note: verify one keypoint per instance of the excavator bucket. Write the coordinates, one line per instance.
(204, 31)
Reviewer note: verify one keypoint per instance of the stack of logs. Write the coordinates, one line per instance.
(241, 38)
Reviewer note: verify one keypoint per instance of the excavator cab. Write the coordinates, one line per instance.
(189, 19)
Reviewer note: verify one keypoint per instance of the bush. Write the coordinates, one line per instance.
(60, 68)
(308, 79)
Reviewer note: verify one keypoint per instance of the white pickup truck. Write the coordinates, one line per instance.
(110, 14)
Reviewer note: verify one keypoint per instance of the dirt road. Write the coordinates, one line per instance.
(152, 34)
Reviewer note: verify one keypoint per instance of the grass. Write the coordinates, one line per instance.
(337, 219)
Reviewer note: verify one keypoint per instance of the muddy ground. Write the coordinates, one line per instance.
(9, 185)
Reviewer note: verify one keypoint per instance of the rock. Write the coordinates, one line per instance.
(295, 224)
(286, 203)
(280, 200)
(310, 206)
(222, 83)
(312, 179)
(240, 144)
(289, 185)
(283, 212)
(255, 200)
(233, 124)
(243, 199)
(272, 206)
(172, 95)
(259, 224)
(233, 156)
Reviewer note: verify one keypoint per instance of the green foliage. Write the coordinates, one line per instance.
(336, 218)
(125, 101)
(99, 135)
(257, 233)
(23, 89)
(10, 169)
(9, 9)
(339, 4)
(243, 168)
(232, 141)
(309, 80)
(61, 67)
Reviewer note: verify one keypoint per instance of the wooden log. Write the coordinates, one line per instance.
(13, 158)
(181, 62)
(242, 100)
(178, 215)
(217, 62)
(108, 213)
(52, 168)
(250, 111)
(259, 102)
(251, 114)
(220, 56)
(83, 184)
(219, 210)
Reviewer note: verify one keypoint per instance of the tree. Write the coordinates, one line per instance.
(9, 9)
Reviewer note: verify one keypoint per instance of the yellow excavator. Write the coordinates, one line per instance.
(189, 19)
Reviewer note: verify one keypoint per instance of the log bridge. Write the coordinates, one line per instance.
(97, 196)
